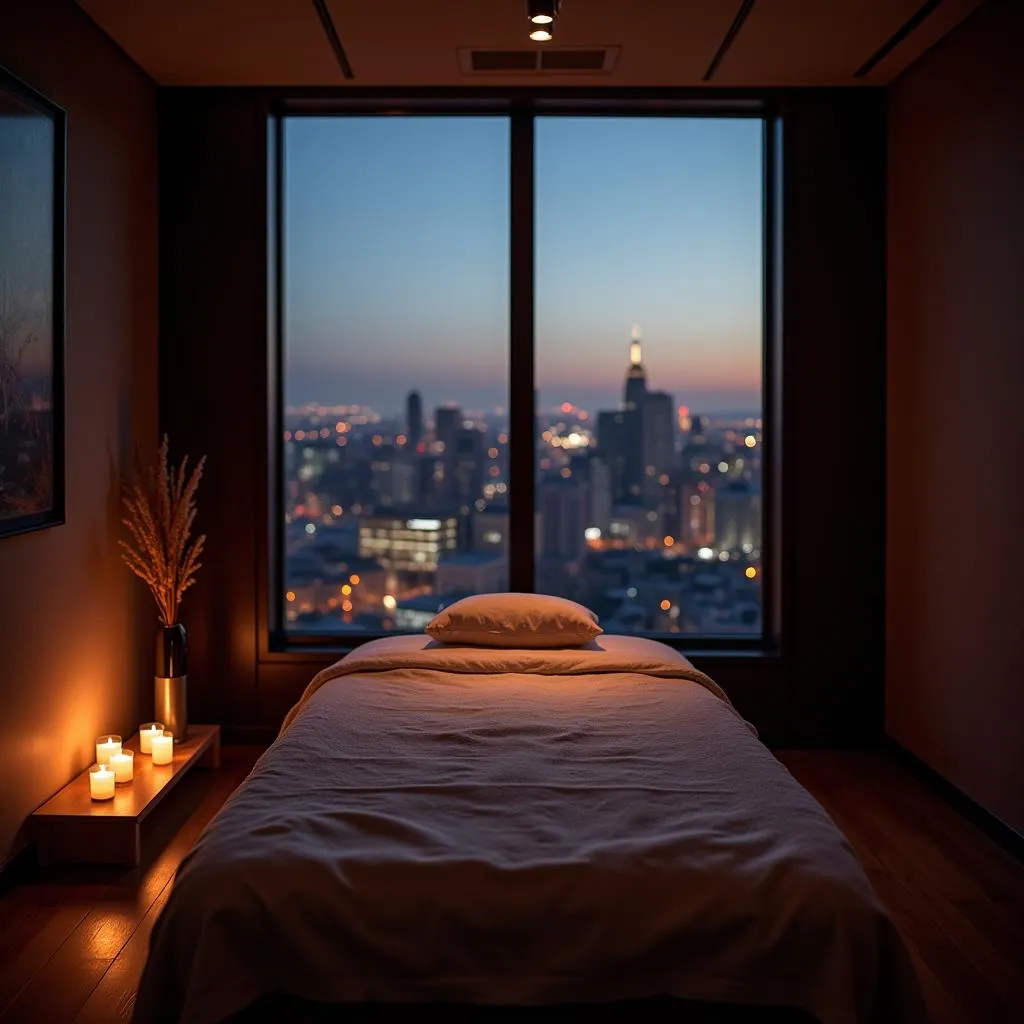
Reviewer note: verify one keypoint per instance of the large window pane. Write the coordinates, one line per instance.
(649, 340)
(395, 286)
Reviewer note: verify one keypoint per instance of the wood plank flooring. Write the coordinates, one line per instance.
(73, 941)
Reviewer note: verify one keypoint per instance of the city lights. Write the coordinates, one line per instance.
(413, 512)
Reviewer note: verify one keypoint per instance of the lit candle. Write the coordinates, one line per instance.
(163, 748)
(146, 734)
(101, 782)
(123, 766)
(105, 746)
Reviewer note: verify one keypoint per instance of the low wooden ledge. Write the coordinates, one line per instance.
(71, 826)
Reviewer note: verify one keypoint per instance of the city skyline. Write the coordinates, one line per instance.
(372, 250)
(652, 519)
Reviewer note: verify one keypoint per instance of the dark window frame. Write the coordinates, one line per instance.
(522, 107)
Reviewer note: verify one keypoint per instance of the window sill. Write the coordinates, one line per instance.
(297, 650)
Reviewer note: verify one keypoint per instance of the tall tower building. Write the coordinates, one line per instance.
(447, 421)
(636, 376)
(611, 441)
(658, 445)
(563, 509)
(635, 399)
(738, 517)
(414, 418)
(447, 424)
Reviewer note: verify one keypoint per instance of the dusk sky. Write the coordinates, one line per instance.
(397, 260)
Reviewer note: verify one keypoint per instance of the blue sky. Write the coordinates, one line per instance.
(397, 263)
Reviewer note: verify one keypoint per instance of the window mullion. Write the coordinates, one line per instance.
(522, 430)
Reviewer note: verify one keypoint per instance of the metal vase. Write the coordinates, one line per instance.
(170, 683)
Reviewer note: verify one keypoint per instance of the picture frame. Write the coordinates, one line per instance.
(33, 210)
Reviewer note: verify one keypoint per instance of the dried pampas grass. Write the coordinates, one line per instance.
(160, 509)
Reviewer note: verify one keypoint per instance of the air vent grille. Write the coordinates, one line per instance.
(591, 60)
(503, 60)
(572, 60)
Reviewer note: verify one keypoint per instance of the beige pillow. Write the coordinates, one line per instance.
(515, 620)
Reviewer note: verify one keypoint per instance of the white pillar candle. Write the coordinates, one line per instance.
(163, 748)
(146, 734)
(123, 765)
(101, 782)
(105, 746)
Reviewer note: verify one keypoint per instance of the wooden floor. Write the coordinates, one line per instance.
(73, 940)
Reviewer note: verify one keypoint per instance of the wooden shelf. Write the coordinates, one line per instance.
(71, 826)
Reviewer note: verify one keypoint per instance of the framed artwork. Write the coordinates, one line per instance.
(32, 228)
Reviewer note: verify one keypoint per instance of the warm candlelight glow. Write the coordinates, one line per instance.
(163, 748)
(105, 746)
(146, 734)
(101, 782)
(123, 765)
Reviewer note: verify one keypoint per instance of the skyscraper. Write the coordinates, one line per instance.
(612, 444)
(634, 401)
(447, 420)
(600, 480)
(738, 517)
(563, 509)
(697, 514)
(414, 418)
(658, 444)
(636, 376)
(447, 423)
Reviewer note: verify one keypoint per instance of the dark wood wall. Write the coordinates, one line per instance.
(956, 363)
(825, 684)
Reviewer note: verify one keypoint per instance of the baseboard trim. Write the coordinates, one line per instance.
(17, 868)
(248, 735)
(994, 827)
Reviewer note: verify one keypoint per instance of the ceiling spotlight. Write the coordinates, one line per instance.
(541, 34)
(541, 12)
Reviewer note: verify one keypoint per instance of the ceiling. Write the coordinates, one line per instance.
(418, 42)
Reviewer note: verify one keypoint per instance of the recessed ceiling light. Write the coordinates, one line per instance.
(542, 12)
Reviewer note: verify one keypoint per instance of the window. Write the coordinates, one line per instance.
(395, 318)
(649, 456)
(419, 269)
